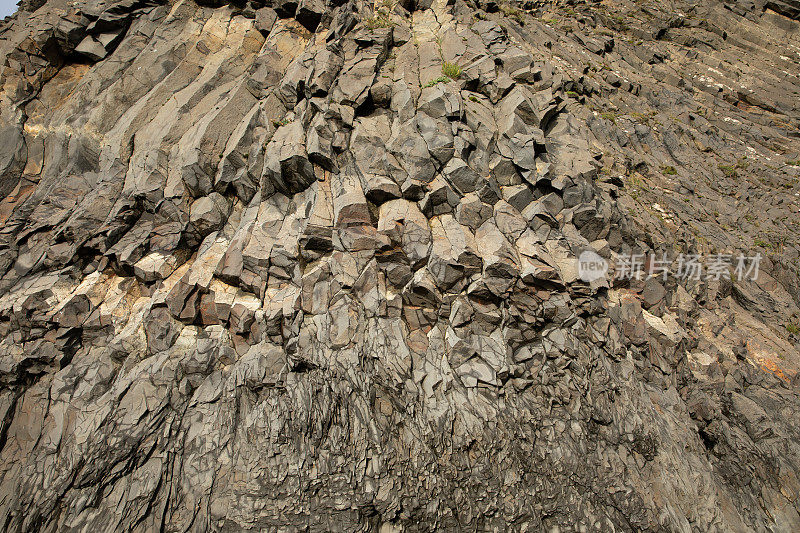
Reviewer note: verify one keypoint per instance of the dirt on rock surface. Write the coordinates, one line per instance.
(314, 266)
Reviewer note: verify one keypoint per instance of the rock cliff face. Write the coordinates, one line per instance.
(312, 266)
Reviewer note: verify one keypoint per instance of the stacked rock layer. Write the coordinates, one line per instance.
(313, 266)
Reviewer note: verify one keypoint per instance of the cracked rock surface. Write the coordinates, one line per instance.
(312, 266)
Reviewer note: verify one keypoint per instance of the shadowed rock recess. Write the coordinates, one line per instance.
(311, 265)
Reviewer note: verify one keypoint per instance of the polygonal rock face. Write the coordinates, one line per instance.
(287, 167)
(312, 265)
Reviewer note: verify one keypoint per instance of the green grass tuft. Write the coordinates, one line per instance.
(381, 20)
(440, 79)
(451, 70)
(729, 171)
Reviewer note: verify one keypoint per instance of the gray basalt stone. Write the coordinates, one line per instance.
(306, 265)
(208, 213)
(286, 164)
(265, 20)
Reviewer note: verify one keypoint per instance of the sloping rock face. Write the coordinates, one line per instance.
(312, 266)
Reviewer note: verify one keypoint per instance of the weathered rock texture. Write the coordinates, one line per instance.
(267, 267)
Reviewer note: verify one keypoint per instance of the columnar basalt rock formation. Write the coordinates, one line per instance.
(312, 266)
